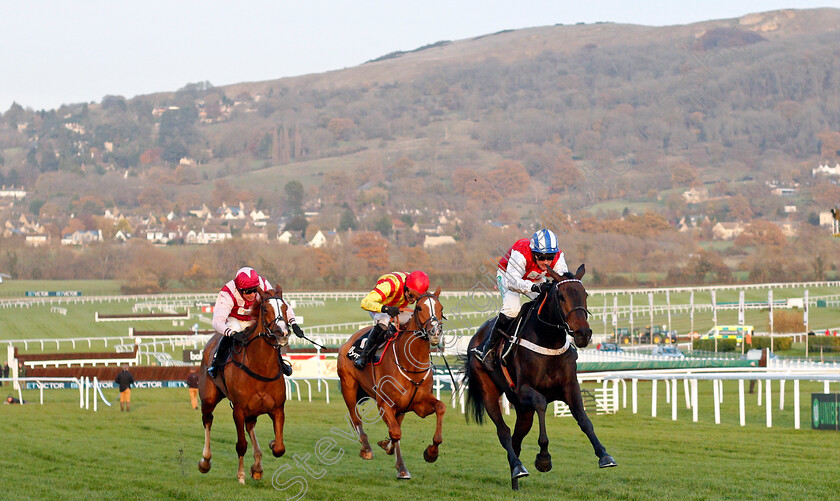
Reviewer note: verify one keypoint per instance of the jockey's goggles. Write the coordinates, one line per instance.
(252, 290)
(538, 256)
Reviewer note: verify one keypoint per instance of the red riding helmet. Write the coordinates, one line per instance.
(246, 278)
(418, 282)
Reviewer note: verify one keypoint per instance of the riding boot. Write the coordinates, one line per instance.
(485, 355)
(373, 340)
(220, 357)
(286, 367)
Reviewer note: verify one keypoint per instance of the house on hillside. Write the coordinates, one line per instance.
(727, 231)
(321, 239)
(285, 237)
(825, 170)
(431, 241)
(696, 195)
(81, 237)
(37, 239)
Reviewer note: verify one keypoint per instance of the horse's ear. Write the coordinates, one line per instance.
(278, 291)
(580, 271)
(437, 292)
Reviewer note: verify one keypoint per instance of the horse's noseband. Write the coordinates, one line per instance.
(275, 329)
(432, 326)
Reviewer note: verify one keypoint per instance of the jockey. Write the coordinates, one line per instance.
(233, 313)
(522, 271)
(392, 292)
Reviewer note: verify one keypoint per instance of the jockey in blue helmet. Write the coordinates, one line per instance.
(521, 271)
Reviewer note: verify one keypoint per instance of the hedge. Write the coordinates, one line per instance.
(779, 343)
(709, 344)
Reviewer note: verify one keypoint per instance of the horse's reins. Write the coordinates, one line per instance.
(564, 326)
(424, 330)
(268, 336)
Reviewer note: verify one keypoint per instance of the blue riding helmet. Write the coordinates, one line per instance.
(545, 242)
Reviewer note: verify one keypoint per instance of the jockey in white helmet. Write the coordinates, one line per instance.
(521, 271)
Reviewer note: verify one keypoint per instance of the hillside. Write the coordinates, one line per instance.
(579, 124)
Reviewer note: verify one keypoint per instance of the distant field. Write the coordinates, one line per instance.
(57, 451)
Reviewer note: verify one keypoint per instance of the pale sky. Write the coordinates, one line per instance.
(54, 52)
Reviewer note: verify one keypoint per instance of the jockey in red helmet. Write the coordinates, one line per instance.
(234, 312)
(391, 292)
(521, 271)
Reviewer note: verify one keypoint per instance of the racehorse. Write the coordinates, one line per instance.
(541, 368)
(253, 381)
(399, 383)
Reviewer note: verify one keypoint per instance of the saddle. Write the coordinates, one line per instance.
(503, 350)
(360, 343)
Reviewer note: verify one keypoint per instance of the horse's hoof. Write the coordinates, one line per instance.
(430, 454)
(387, 446)
(518, 471)
(543, 464)
(256, 473)
(404, 475)
(366, 455)
(276, 453)
(242, 480)
(606, 462)
(204, 465)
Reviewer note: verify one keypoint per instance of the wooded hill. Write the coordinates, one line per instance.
(583, 121)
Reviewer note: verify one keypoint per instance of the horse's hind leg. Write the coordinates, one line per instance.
(241, 443)
(349, 390)
(575, 402)
(256, 468)
(211, 396)
(490, 397)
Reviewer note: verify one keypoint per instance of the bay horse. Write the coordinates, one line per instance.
(253, 381)
(541, 368)
(400, 382)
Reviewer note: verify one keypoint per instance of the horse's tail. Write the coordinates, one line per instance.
(475, 394)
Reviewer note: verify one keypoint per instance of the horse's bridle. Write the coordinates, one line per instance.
(433, 326)
(269, 334)
(564, 325)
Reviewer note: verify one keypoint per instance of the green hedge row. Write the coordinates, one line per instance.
(709, 344)
(824, 341)
(779, 343)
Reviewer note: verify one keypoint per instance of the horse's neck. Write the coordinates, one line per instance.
(542, 325)
(411, 350)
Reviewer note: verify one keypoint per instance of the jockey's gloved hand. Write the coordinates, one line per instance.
(240, 337)
(297, 330)
(392, 311)
(540, 288)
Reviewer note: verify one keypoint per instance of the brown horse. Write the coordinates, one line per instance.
(253, 381)
(401, 382)
(541, 368)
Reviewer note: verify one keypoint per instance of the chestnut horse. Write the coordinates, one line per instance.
(541, 368)
(253, 381)
(401, 382)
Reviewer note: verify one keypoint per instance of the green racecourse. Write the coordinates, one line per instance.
(58, 451)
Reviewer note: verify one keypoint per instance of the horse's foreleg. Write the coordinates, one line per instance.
(395, 433)
(543, 460)
(256, 468)
(241, 444)
(388, 444)
(524, 421)
(431, 404)
(575, 403)
(278, 417)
